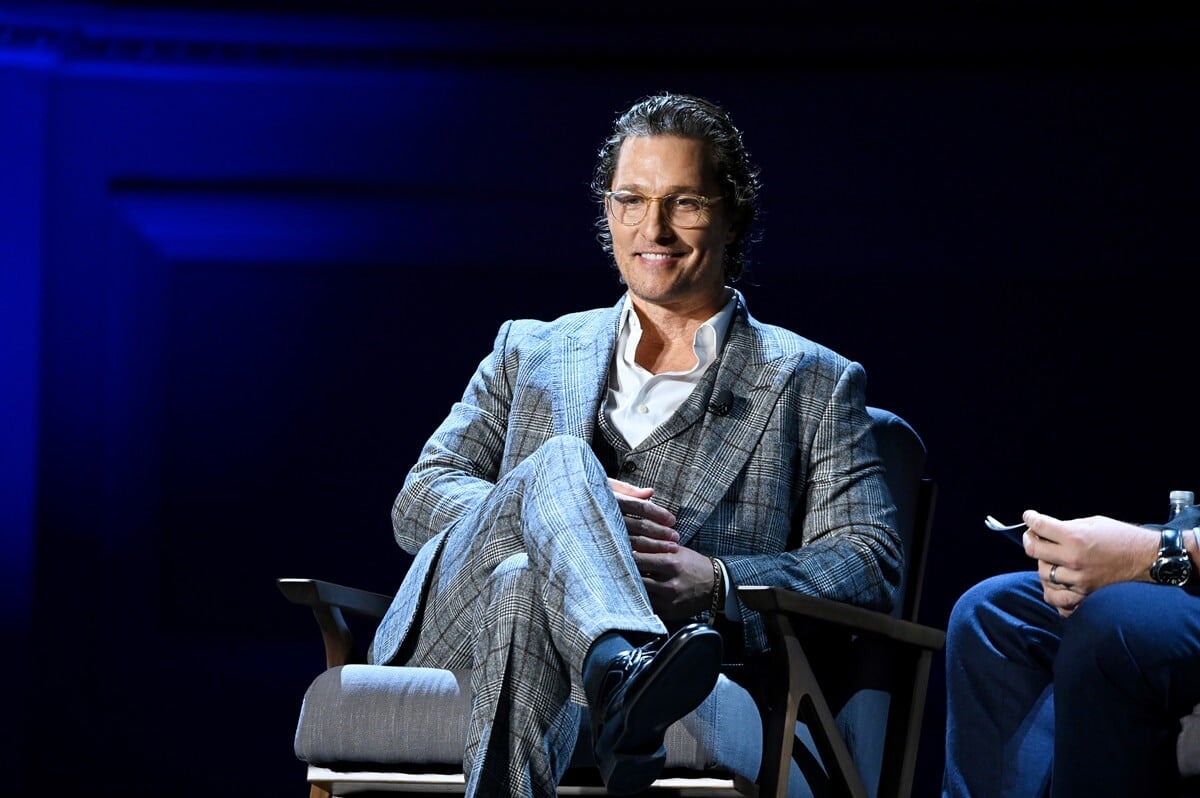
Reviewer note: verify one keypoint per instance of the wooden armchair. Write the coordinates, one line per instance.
(851, 723)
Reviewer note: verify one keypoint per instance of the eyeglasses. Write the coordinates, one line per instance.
(682, 210)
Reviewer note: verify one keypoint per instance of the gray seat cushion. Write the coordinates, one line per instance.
(384, 715)
(398, 716)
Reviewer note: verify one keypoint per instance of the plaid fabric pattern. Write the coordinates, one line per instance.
(786, 488)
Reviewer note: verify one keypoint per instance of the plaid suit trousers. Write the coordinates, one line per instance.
(523, 586)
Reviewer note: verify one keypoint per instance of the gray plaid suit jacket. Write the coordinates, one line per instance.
(787, 488)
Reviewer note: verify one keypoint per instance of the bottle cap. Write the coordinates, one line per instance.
(1183, 496)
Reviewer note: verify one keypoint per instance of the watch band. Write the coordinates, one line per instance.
(1171, 544)
(1173, 566)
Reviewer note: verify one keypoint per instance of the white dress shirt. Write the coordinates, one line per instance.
(639, 401)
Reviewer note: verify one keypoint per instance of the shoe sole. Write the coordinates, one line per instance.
(690, 663)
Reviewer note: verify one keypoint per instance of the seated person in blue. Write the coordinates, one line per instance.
(1070, 680)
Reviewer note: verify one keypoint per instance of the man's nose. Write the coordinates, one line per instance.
(656, 221)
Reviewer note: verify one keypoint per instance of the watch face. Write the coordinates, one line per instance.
(1171, 570)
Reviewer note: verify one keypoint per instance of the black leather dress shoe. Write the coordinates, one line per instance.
(645, 690)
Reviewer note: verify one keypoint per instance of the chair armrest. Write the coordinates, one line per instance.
(327, 601)
(847, 617)
(314, 592)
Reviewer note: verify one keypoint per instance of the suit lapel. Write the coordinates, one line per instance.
(580, 375)
(726, 440)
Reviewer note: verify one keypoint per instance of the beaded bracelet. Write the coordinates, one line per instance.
(718, 591)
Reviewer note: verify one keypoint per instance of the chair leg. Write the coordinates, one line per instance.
(319, 792)
(904, 723)
(779, 731)
(805, 699)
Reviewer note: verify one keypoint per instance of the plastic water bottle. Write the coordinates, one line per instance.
(1180, 500)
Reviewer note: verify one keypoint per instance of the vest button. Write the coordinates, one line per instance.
(628, 467)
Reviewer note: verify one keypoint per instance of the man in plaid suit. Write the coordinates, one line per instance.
(582, 515)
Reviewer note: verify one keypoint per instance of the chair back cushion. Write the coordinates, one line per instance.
(903, 453)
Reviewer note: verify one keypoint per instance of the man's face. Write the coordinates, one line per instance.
(663, 263)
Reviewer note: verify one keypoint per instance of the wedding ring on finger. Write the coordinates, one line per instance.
(1053, 580)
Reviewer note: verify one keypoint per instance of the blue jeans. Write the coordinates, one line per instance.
(1041, 705)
